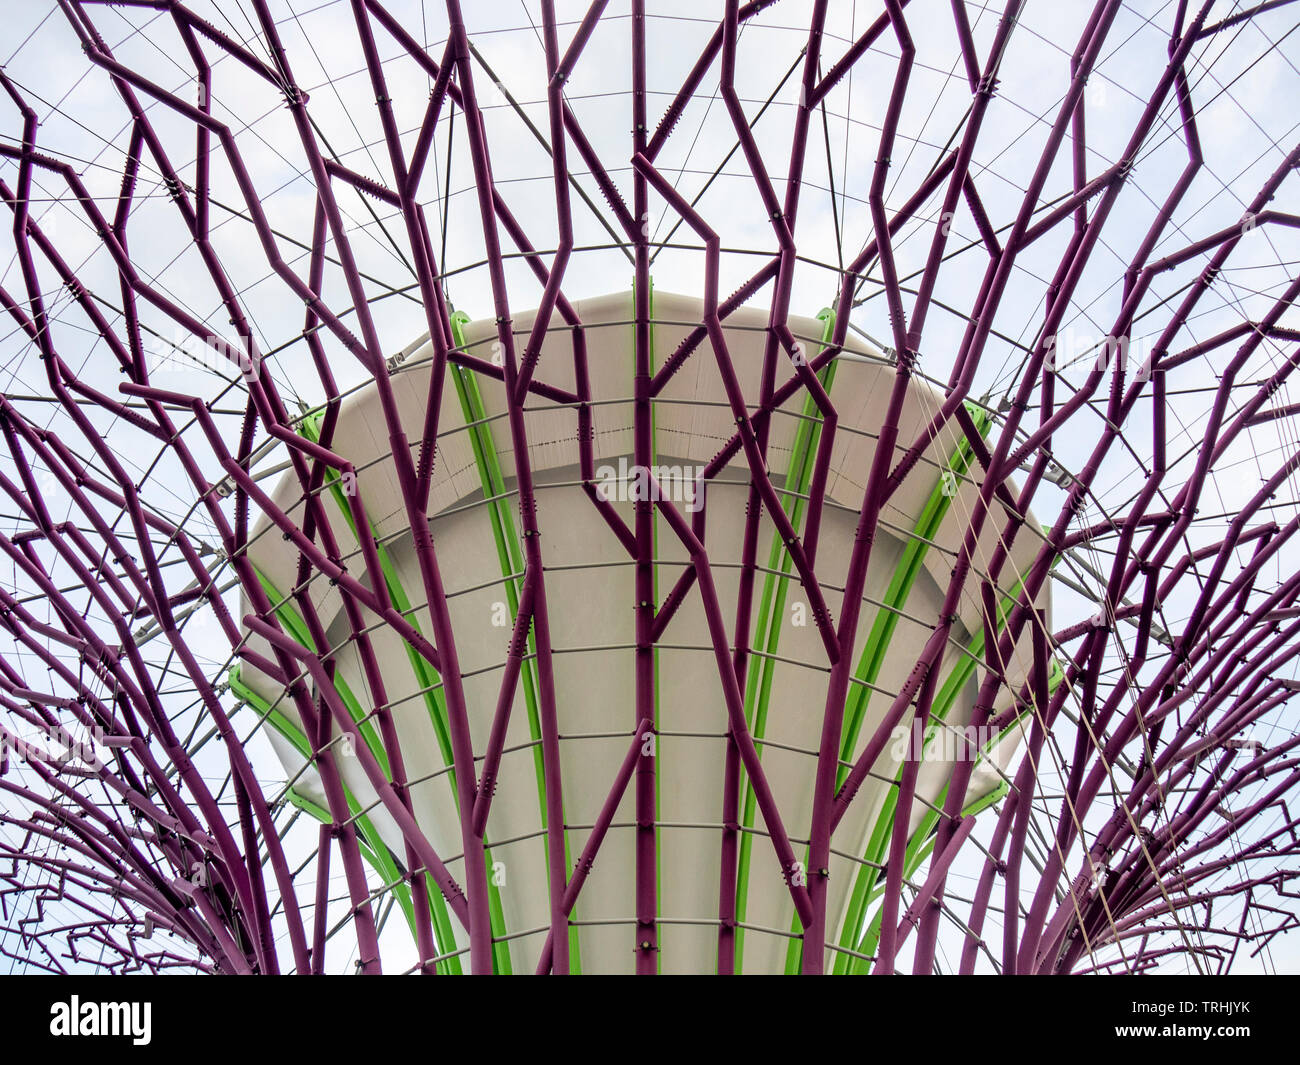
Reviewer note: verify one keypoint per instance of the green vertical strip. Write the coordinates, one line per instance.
(922, 841)
(878, 843)
(372, 846)
(876, 647)
(511, 561)
(900, 586)
(293, 622)
(767, 629)
(429, 683)
(875, 651)
(426, 676)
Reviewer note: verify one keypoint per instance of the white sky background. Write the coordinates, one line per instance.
(1244, 84)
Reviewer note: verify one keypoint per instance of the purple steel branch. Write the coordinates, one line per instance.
(1149, 864)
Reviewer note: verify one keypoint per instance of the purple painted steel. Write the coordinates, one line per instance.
(1165, 813)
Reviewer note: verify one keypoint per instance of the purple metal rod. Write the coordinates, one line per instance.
(1132, 863)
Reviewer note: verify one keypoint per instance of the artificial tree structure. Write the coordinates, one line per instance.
(315, 361)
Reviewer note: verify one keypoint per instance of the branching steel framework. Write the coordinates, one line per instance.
(1142, 824)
